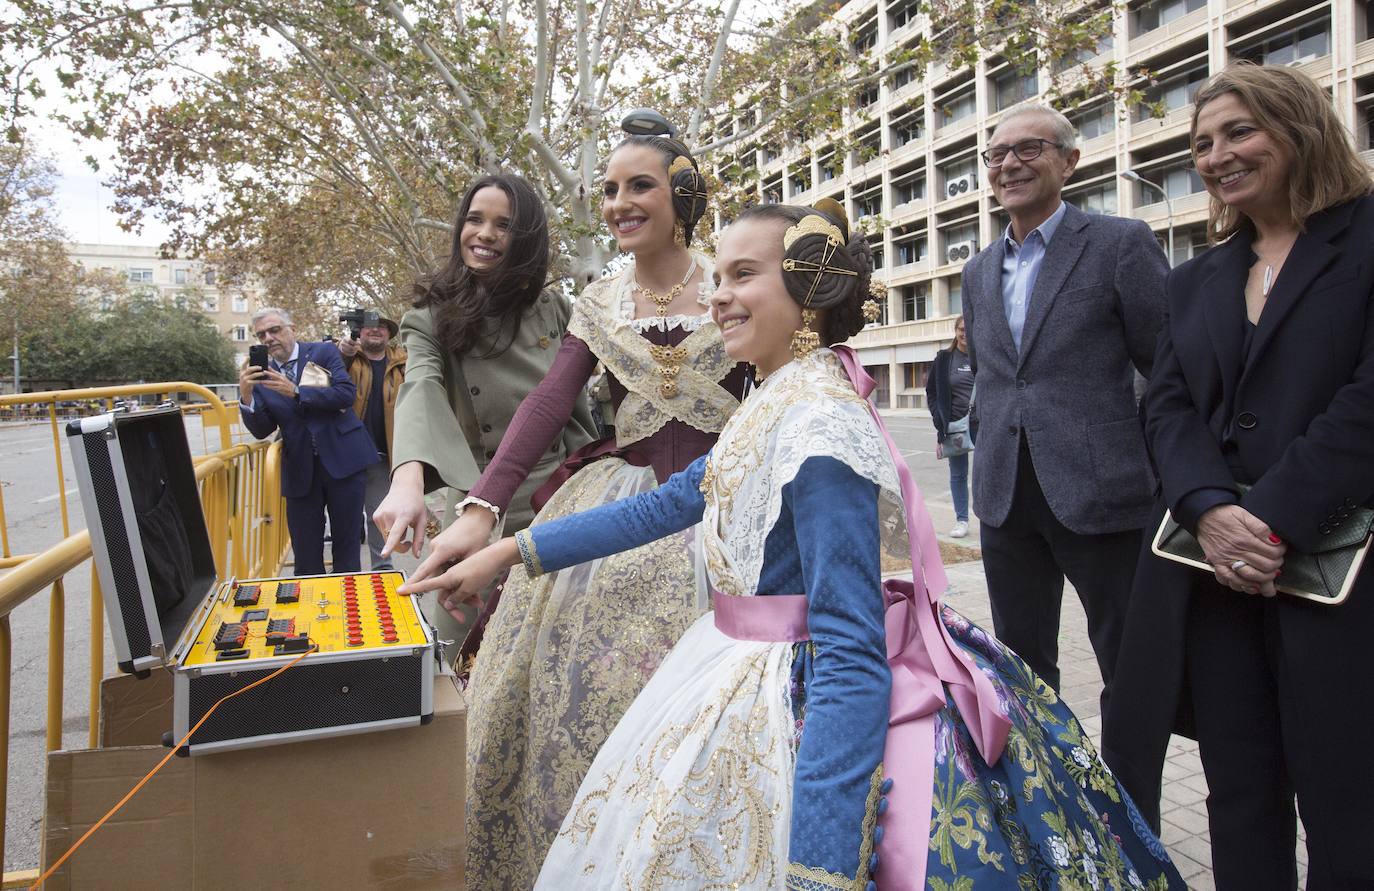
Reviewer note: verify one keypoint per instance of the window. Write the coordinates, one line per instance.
(1158, 13)
(955, 108)
(910, 249)
(903, 77)
(1011, 87)
(960, 243)
(1291, 47)
(799, 180)
(1187, 244)
(239, 332)
(1099, 120)
(877, 248)
(180, 276)
(1180, 180)
(909, 187)
(903, 13)
(772, 191)
(868, 145)
(882, 316)
(770, 153)
(1084, 54)
(209, 276)
(210, 304)
(908, 127)
(867, 97)
(869, 203)
(956, 295)
(240, 303)
(825, 167)
(960, 178)
(140, 275)
(915, 301)
(1174, 93)
(865, 37)
(914, 375)
(1100, 198)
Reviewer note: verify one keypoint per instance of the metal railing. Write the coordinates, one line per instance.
(240, 492)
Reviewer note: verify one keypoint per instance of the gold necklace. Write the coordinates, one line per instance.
(661, 302)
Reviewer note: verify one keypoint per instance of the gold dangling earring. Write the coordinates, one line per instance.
(805, 341)
(680, 234)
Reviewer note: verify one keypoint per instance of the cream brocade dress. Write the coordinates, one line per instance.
(566, 653)
(693, 789)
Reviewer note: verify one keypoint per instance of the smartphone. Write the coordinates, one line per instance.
(257, 355)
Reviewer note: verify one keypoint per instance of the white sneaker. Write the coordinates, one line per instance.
(960, 530)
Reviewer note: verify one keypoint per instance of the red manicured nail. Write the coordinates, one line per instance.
(1275, 539)
(1278, 573)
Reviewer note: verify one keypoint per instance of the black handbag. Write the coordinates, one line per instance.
(1322, 576)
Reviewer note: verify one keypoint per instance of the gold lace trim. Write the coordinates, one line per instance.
(528, 554)
(665, 383)
(812, 878)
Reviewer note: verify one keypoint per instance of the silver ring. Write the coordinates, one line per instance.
(1236, 566)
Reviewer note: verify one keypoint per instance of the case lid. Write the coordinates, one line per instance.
(148, 533)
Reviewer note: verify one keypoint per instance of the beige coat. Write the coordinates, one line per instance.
(428, 428)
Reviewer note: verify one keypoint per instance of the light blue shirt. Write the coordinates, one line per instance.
(276, 366)
(1020, 269)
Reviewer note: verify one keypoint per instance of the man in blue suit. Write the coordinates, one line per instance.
(325, 449)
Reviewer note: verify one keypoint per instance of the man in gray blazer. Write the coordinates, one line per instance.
(1060, 311)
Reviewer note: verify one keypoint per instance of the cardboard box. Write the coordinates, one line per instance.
(379, 810)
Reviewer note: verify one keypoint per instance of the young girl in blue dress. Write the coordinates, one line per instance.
(821, 728)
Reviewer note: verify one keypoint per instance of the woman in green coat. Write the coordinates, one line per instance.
(483, 333)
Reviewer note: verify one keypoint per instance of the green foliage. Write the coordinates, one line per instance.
(142, 338)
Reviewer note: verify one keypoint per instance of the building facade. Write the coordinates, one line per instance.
(910, 153)
(189, 282)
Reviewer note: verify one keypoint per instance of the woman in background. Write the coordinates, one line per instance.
(949, 396)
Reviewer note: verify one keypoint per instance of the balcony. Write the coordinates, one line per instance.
(1364, 50)
(908, 210)
(912, 149)
(961, 127)
(908, 272)
(1186, 209)
(1097, 147)
(868, 169)
(1182, 27)
(902, 333)
(1151, 130)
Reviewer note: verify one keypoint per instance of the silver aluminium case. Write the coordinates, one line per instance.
(139, 633)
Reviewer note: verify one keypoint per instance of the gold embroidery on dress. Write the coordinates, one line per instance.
(697, 398)
(545, 694)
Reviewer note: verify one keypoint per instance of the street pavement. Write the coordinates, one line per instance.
(28, 478)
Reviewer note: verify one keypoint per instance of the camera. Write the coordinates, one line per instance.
(359, 318)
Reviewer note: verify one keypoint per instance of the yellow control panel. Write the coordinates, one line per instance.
(264, 618)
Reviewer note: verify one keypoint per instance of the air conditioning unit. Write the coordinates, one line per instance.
(961, 251)
(961, 185)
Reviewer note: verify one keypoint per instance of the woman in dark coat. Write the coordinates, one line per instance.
(949, 395)
(1264, 376)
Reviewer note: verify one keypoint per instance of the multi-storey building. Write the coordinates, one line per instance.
(909, 155)
(191, 282)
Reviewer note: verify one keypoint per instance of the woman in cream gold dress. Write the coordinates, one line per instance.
(566, 653)
(821, 729)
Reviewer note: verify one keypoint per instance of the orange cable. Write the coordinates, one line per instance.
(168, 757)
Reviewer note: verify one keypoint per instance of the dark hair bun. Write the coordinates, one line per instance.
(824, 267)
(689, 192)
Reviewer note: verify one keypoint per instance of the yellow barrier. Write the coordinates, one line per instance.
(240, 492)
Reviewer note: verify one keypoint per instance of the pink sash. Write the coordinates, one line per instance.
(924, 659)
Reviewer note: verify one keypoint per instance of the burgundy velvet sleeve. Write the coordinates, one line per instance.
(537, 423)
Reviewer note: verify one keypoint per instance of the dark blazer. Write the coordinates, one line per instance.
(320, 419)
(938, 396)
(1094, 315)
(1300, 409)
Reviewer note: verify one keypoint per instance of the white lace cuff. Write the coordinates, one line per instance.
(486, 505)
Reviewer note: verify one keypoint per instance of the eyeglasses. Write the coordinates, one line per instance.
(1025, 150)
(268, 332)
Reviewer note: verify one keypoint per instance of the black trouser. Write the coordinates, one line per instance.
(1025, 561)
(1264, 739)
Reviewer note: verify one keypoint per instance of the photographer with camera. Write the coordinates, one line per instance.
(377, 368)
(303, 390)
